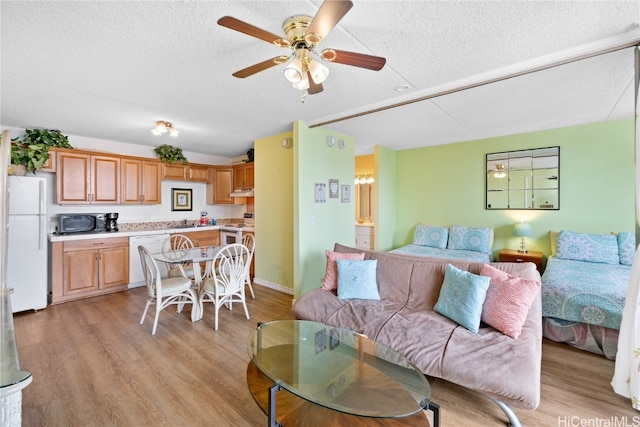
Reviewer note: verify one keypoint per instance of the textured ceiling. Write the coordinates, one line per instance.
(110, 69)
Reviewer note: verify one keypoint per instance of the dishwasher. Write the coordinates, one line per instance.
(153, 242)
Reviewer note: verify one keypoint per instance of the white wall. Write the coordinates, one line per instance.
(140, 213)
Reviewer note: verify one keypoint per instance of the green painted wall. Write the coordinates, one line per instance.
(385, 190)
(274, 210)
(444, 185)
(317, 226)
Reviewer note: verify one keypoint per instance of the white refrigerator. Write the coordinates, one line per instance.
(27, 249)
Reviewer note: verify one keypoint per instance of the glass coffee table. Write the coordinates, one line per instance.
(336, 369)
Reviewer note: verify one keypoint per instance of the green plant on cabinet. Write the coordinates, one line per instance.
(170, 154)
(32, 150)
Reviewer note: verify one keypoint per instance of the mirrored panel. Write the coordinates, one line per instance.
(364, 191)
(524, 179)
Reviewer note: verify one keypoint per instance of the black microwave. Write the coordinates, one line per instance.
(81, 223)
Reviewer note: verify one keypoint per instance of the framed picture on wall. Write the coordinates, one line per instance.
(346, 193)
(320, 192)
(334, 189)
(181, 199)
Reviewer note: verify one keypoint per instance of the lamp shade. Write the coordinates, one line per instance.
(522, 229)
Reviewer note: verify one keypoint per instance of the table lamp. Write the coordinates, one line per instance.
(521, 230)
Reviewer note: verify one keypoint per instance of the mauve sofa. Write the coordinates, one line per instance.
(505, 369)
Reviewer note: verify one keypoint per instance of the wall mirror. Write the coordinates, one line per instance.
(364, 189)
(524, 179)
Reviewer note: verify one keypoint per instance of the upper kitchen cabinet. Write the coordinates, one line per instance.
(177, 171)
(83, 178)
(141, 181)
(185, 172)
(220, 185)
(198, 173)
(243, 176)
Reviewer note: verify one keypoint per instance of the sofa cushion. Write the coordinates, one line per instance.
(588, 247)
(508, 300)
(469, 238)
(330, 282)
(435, 237)
(357, 279)
(461, 297)
(626, 247)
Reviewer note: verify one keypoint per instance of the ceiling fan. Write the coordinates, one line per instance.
(303, 35)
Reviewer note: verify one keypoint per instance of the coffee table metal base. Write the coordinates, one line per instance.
(294, 411)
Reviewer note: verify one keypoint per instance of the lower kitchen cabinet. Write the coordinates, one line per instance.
(204, 237)
(84, 268)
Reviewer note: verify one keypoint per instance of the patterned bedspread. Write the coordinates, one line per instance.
(454, 254)
(585, 292)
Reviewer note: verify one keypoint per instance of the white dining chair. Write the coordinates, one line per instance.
(165, 291)
(250, 242)
(176, 243)
(226, 285)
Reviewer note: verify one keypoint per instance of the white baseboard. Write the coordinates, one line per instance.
(271, 285)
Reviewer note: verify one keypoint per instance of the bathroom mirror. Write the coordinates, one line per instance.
(524, 179)
(364, 191)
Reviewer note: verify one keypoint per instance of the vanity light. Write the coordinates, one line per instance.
(164, 127)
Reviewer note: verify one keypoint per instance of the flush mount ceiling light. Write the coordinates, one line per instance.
(499, 173)
(164, 127)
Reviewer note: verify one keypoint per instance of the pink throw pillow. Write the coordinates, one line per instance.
(330, 282)
(508, 300)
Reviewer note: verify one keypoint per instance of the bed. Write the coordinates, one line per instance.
(584, 287)
(455, 243)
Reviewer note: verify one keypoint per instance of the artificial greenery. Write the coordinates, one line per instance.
(32, 150)
(170, 154)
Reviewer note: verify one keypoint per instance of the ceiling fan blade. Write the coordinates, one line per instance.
(352, 58)
(313, 86)
(253, 31)
(329, 14)
(261, 66)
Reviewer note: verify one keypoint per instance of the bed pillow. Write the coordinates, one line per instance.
(508, 300)
(330, 283)
(588, 247)
(461, 297)
(469, 238)
(626, 247)
(435, 237)
(357, 279)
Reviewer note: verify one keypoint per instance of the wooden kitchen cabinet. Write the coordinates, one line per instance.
(141, 182)
(87, 178)
(198, 173)
(204, 237)
(220, 186)
(243, 176)
(177, 171)
(85, 268)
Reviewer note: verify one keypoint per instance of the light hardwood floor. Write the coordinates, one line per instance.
(94, 365)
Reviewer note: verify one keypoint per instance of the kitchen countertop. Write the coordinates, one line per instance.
(109, 234)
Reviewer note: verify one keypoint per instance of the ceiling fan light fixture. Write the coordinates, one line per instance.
(293, 72)
(499, 172)
(328, 54)
(319, 72)
(303, 84)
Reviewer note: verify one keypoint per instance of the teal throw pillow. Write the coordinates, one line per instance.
(587, 247)
(469, 238)
(461, 297)
(626, 247)
(434, 237)
(357, 279)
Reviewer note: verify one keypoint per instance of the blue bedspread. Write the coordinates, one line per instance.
(453, 254)
(585, 292)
